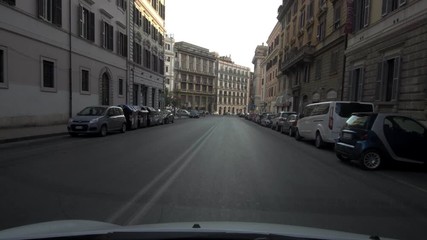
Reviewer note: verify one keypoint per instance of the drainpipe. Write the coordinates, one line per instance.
(70, 73)
(343, 66)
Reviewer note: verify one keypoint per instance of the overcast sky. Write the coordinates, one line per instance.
(229, 27)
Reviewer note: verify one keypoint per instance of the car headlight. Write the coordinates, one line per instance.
(93, 121)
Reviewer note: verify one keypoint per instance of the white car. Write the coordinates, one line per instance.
(323, 121)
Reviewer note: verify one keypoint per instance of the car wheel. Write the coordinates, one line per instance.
(73, 134)
(342, 157)
(318, 142)
(103, 131)
(371, 160)
(297, 136)
(123, 129)
(290, 132)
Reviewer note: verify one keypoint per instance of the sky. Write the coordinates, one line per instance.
(229, 27)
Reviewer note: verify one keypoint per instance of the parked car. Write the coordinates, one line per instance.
(322, 122)
(167, 117)
(202, 113)
(131, 115)
(267, 119)
(97, 120)
(279, 119)
(375, 138)
(194, 114)
(289, 125)
(182, 113)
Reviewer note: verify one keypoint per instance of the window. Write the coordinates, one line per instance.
(321, 29)
(306, 74)
(137, 16)
(121, 87)
(147, 58)
(161, 66)
(361, 14)
(302, 19)
(147, 25)
(48, 72)
(356, 84)
(84, 78)
(86, 24)
(310, 10)
(337, 16)
(121, 4)
(3, 68)
(334, 62)
(318, 70)
(391, 5)
(387, 84)
(107, 36)
(122, 42)
(50, 11)
(155, 63)
(10, 2)
(137, 53)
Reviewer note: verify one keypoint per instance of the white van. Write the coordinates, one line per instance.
(323, 121)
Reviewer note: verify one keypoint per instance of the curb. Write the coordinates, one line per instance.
(19, 139)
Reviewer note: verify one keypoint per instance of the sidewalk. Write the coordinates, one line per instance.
(26, 133)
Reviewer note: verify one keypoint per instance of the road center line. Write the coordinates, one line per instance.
(114, 217)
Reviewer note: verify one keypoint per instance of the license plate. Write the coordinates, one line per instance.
(79, 127)
(346, 136)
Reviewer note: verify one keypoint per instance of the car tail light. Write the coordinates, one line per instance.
(331, 119)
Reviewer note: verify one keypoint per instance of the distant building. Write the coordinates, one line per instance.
(195, 77)
(169, 63)
(232, 87)
(258, 80)
(273, 87)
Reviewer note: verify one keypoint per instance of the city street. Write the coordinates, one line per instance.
(216, 168)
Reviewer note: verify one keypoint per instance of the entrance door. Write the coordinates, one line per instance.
(105, 90)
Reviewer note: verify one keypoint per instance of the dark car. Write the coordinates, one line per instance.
(290, 124)
(279, 119)
(194, 114)
(167, 117)
(376, 138)
(97, 120)
(131, 115)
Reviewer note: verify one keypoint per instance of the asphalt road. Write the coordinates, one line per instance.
(208, 169)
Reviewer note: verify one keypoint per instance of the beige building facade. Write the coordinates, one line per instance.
(232, 87)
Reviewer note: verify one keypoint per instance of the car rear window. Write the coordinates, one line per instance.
(346, 109)
(359, 121)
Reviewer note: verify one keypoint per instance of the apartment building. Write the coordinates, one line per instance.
(58, 57)
(195, 75)
(232, 86)
(312, 64)
(169, 63)
(146, 40)
(258, 78)
(386, 56)
(273, 87)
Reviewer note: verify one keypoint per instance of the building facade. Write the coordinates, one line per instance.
(146, 42)
(169, 63)
(58, 58)
(77, 54)
(273, 86)
(258, 78)
(386, 57)
(232, 87)
(312, 63)
(195, 75)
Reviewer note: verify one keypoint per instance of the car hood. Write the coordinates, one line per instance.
(68, 228)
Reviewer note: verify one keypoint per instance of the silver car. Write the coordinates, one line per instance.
(97, 120)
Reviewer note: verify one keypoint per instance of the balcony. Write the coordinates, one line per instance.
(302, 55)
